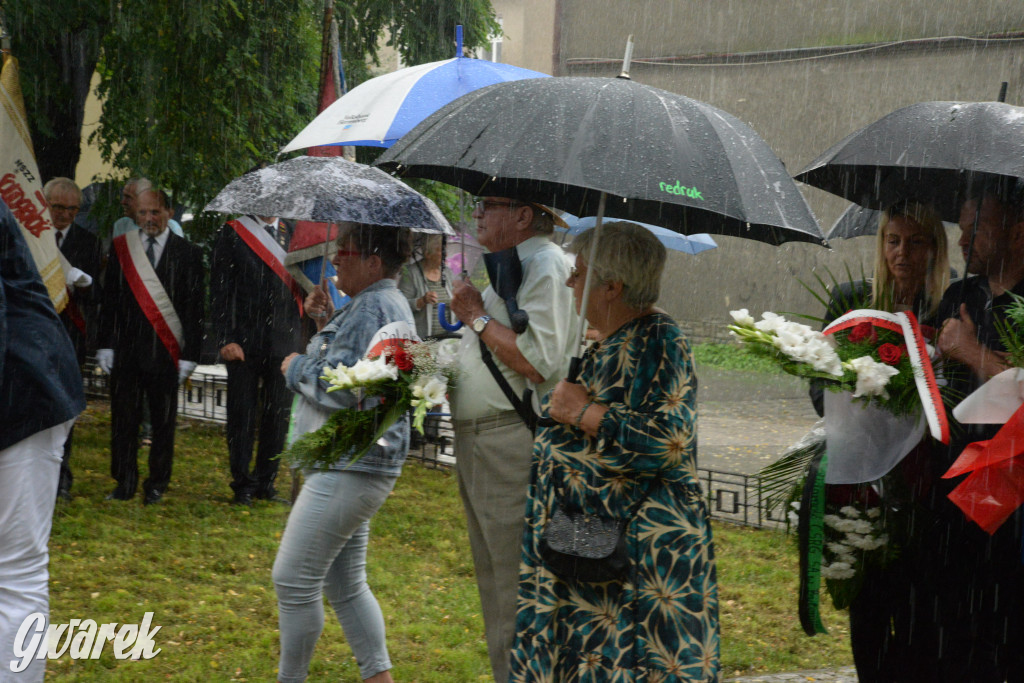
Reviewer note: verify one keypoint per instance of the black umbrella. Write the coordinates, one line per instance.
(854, 222)
(660, 157)
(929, 152)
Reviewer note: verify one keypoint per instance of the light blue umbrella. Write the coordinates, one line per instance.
(688, 244)
(381, 110)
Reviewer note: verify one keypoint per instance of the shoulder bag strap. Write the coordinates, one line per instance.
(523, 409)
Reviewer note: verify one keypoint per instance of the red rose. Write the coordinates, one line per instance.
(403, 361)
(889, 354)
(862, 332)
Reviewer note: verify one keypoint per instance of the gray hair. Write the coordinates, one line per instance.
(56, 184)
(626, 253)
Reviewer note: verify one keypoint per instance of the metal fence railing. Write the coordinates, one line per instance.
(731, 497)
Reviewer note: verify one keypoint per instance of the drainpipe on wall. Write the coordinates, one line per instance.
(556, 47)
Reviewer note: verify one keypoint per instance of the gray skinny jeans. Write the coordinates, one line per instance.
(323, 551)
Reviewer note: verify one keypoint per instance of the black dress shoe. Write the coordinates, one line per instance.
(119, 494)
(152, 497)
(242, 498)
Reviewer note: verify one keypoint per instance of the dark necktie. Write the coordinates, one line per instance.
(150, 250)
(60, 238)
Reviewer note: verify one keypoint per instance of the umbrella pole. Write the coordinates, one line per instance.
(581, 326)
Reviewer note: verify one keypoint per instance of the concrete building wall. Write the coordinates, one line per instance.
(529, 27)
(800, 106)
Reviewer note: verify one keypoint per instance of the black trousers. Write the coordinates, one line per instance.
(258, 403)
(128, 388)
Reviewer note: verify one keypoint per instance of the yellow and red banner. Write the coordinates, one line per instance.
(21, 187)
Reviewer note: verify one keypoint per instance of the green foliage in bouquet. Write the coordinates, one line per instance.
(350, 432)
(1011, 331)
(780, 484)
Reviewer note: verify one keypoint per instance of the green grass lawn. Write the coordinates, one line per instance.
(733, 357)
(203, 567)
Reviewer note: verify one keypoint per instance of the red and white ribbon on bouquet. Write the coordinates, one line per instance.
(924, 376)
(994, 487)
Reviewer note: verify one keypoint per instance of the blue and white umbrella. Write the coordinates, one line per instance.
(688, 244)
(381, 110)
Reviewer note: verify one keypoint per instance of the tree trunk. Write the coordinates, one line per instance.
(59, 149)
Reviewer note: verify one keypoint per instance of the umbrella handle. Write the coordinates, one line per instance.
(442, 317)
(574, 370)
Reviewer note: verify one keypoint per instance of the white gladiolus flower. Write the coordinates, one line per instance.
(873, 513)
(867, 542)
(770, 322)
(366, 371)
(339, 377)
(850, 511)
(434, 390)
(862, 526)
(838, 570)
(872, 376)
(742, 317)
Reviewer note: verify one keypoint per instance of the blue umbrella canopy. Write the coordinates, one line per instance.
(688, 244)
(383, 109)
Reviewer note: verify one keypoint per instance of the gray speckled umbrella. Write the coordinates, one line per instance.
(330, 190)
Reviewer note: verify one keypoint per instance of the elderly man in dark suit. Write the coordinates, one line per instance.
(151, 330)
(82, 250)
(256, 309)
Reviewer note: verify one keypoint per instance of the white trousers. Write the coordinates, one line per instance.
(29, 471)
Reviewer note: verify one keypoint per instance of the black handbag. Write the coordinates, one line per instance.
(578, 546)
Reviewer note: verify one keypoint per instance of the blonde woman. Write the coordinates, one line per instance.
(911, 273)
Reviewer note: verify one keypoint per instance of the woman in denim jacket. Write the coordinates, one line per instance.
(323, 548)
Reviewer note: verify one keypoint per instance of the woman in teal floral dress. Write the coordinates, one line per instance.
(627, 430)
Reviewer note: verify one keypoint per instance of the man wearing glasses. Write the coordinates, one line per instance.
(493, 445)
(82, 250)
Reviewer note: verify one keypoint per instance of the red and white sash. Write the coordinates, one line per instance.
(269, 251)
(149, 292)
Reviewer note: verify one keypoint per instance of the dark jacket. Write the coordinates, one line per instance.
(250, 305)
(82, 250)
(40, 383)
(123, 326)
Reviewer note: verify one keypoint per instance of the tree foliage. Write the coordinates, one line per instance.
(56, 69)
(193, 98)
(196, 93)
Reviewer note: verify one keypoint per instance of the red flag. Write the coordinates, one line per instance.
(308, 233)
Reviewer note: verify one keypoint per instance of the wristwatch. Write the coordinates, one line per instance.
(480, 323)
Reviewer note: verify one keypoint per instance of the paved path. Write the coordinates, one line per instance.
(744, 423)
(847, 674)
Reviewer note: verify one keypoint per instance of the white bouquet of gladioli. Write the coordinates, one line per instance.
(805, 352)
